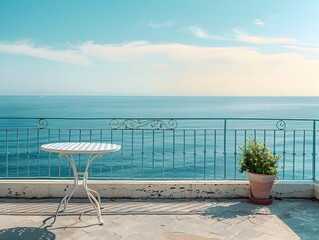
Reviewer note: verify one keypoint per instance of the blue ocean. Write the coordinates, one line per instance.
(159, 107)
(198, 147)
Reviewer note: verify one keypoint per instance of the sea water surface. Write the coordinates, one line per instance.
(181, 154)
(159, 107)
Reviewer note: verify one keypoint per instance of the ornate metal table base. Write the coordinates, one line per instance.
(95, 201)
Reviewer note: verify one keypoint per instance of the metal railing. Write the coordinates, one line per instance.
(166, 149)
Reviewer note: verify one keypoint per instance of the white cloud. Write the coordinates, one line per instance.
(199, 32)
(314, 50)
(202, 33)
(137, 51)
(160, 24)
(244, 37)
(193, 70)
(48, 53)
(259, 22)
(180, 69)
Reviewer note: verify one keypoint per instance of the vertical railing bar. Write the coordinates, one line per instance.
(49, 157)
(173, 154)
(163, 155)
(122, 153)
(59, 134)
(294, 155)
(304, 154)
(79, 156)
(100, 167)
(184, 153)
(17, 153)
(225, 142)
(70, 137)
(255, 135)
(235, 154)
(132, 155)
(284, 156)
(80, 140)
(111, 167)
(274, 152)
(101, 157)
(245, 145)
(205, 151)
(314, 151)
(194, 154)
(91, 167)
(274, 142)
(70, 131)
(265, 138)
(111, 159)
(111, 162)
(28, 154)
(38, 151)
(153, 154)
(215, 152)
(111, 135)
(142, 154)
(7, 154)
(245, 139)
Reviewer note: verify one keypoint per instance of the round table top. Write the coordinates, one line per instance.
(80, 147)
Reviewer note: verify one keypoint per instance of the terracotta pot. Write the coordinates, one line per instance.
(261, 201)
(261, 184)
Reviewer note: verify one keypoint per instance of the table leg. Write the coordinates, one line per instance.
(95, 201)
(85, 177)
(68, 196)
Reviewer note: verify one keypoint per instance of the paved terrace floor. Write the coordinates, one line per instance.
(161, 220)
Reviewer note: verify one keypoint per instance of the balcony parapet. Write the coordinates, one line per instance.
(155, 189)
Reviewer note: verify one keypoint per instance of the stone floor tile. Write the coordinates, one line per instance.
(164, 219)
(266, 236)
(248, 234)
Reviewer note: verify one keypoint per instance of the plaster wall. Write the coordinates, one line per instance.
(155, 189)
(316, 190)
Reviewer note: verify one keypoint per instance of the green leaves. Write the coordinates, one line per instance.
(256, 158)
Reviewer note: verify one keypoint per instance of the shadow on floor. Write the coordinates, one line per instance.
(47, 207)
(301, 216)
(230, 210)
(26, 233)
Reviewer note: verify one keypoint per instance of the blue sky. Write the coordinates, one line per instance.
(203, 47)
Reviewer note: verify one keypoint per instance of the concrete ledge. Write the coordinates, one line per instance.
(316, 190)
(293, 189)
(154, 189)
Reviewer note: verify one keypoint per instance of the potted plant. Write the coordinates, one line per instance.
(261, 166)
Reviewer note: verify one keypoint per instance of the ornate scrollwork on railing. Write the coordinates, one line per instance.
(42, 123)
(281, 125)
(132, 124)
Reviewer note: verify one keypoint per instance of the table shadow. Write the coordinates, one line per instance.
(26, 233)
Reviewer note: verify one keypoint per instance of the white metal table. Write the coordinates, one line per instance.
(94, 150)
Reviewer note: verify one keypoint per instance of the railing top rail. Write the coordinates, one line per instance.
(163, 118)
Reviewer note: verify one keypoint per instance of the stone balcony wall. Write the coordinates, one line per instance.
(154, 189)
